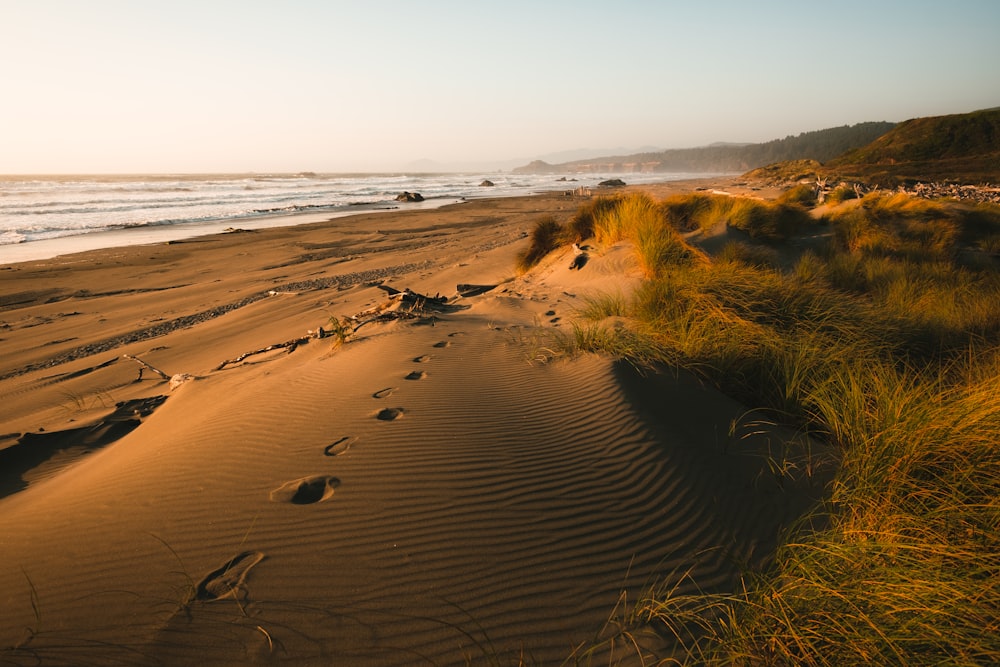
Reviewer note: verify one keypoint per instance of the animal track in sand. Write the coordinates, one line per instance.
(415, 375)
(227, 580)
(423, 358)
(339, 447)
(389, 414)
(306, 491)
(456, 333)
(443, 343)
(382, 393)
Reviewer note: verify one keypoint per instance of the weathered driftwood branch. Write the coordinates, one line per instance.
(144, 364)
(385, 317)
(289, 345)
(409, 305)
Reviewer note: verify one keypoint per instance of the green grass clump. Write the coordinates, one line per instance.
(639, 219)
(599, 307)
(801, 195)
(581, 226)
(766, 220)
(688, 212)
(840, 194)
(885, 345)
(897, 225)
(546, 236)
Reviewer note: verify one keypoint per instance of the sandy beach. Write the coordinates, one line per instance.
(442, 490)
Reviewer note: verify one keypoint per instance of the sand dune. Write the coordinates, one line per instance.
(430, 492)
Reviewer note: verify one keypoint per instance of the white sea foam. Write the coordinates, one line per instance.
(36, 209)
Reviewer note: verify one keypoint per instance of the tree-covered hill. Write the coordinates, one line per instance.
(959, 147)
(820, 145)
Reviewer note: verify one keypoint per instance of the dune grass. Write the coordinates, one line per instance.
(547, 235)
(886, 344)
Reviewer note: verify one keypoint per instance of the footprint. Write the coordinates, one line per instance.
(457, 333)
(306, 491)
(443, 343)
(382, 393)
(555, 319)
(227, 580)
(415, 375)
(550, 313)
(423, 358)
(339, 447)
(389, 414)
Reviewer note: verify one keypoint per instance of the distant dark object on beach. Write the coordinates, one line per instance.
(487, 183)
(410, 196)
(612, 183)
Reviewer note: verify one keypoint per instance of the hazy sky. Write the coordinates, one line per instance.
(247, 85)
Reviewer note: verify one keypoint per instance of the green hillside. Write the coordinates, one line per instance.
(818, 145)
(956, 148)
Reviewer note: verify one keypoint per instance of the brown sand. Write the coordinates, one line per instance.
(424, 494)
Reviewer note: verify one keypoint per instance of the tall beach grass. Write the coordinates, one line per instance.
(884, 343)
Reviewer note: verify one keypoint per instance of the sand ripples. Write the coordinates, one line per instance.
(469, 512)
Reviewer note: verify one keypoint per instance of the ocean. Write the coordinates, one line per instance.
(41, 217)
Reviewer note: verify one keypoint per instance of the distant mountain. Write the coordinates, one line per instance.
(820, 145)
(428, 166)
(591, 153)
(958, 147)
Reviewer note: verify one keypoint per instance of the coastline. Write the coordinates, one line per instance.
(428, 488)
(152, 234)
(43, 218)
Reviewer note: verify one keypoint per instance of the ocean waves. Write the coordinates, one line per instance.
(39, 208)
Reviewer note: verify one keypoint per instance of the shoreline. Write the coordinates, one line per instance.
(165, 233)
(277, 495)
(153, 234)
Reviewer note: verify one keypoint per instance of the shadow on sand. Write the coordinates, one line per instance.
(34, 449)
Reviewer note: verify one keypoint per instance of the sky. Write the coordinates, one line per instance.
(198, 86)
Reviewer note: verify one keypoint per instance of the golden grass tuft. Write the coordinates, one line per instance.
(885, 345)
(801, 195)
(581, 226)
(639, 219)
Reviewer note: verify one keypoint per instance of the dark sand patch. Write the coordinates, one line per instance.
(33, 449)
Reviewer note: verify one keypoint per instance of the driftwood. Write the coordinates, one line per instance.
(402, 305)
(388, 316)
(144, 364)
(289, 345)
(465, 289)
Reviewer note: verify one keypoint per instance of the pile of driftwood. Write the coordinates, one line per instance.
(401, 305)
